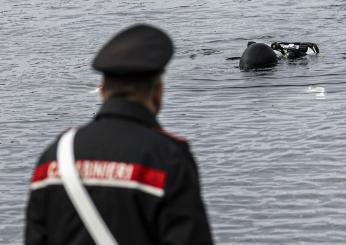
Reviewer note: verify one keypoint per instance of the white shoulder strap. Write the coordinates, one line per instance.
(77, 193)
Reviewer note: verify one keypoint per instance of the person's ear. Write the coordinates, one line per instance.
(102, 92)
(158, 96)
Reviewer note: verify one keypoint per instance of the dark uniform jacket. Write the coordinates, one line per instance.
(143, 181)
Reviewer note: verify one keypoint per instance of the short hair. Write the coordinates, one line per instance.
(125, 86)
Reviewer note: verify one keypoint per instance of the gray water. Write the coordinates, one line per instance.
(271, 152)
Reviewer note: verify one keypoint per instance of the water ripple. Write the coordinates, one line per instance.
(270, 149)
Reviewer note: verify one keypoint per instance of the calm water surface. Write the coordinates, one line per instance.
(272, 153)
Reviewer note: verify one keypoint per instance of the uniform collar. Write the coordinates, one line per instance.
(122, 108)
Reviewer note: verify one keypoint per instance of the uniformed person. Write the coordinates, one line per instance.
(143, 181)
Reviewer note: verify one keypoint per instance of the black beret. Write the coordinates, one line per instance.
(136, 50)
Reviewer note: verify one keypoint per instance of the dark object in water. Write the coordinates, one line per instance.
(233, 58)
(293, 50)
(257, 55)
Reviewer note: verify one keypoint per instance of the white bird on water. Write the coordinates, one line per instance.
(319, 91)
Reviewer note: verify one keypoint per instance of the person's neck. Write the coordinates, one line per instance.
(147, 103)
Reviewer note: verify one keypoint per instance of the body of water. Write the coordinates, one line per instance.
(270, 147)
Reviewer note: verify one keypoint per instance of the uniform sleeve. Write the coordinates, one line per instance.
(35, 231)
(183, 219)
(35, 227)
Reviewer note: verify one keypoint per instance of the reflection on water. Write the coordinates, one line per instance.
(270, 144)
